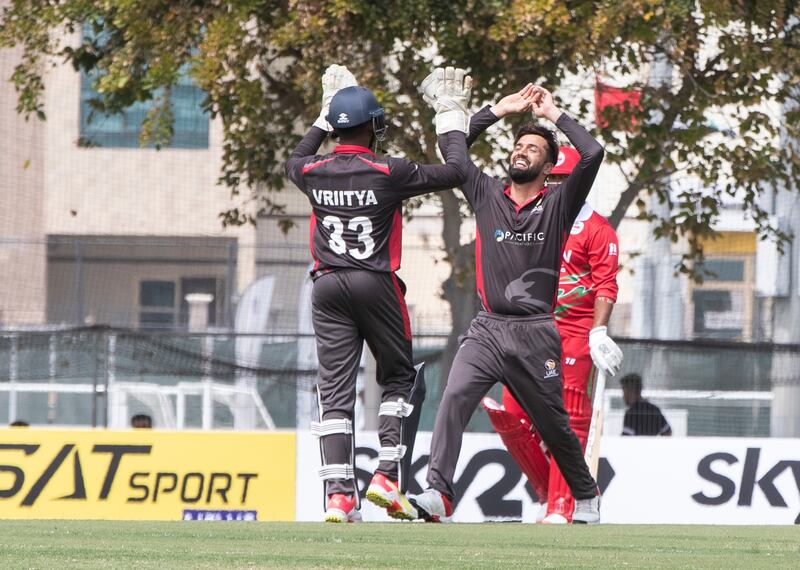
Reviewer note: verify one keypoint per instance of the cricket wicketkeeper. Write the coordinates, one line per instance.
(356, 197)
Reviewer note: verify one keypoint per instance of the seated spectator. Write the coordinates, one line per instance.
(641, 417)
(142, 421)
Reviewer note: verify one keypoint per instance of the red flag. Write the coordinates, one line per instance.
(608, 96)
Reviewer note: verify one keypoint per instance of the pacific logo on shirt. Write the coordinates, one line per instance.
(528, 238)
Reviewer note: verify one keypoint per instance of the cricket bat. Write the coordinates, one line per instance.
(592, 455)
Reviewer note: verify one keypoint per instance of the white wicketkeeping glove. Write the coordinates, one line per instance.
(448, 91)
(336, 77)
(605, 353)
(431, 85)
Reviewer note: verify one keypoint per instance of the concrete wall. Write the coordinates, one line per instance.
(22, 199)
(107, 191)
(50, 185)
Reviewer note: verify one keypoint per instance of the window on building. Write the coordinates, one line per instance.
(157, 304)
(123, 130)
(162, 304)
(718, 313)
(132, 281)
(722, 307)
(724, 270)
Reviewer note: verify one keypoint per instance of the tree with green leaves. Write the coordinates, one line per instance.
(259, 61)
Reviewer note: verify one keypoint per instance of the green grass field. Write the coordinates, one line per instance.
(106, 545)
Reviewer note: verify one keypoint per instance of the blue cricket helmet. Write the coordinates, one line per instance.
(356, 105)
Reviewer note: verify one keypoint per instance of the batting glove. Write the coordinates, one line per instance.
(336, 77)
(605, 353)
(448, 91)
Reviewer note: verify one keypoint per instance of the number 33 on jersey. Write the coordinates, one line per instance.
(356, 199)
(359, 224)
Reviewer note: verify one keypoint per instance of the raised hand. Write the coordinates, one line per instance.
(431, 85)
(457, 86)
(452, 99)
(518, 102)
(543, 105)
(335, 78)
(448, 91)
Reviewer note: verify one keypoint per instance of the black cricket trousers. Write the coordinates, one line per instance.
(350, 306)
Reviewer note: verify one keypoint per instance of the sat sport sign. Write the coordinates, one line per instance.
(146, 475)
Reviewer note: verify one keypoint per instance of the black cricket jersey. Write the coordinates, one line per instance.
(518, 247)
(356, 198)
(644, 418)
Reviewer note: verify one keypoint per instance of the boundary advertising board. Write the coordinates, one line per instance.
(152, 475)
(644, 480)
(146, 475)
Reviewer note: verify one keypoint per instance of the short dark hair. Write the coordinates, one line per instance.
(548, 135)
(352, 132)
(142, 421)
(632, 380)
(19, 423)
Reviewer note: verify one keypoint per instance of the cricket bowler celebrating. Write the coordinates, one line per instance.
(587, 291)
(521, 231)
(356, 224)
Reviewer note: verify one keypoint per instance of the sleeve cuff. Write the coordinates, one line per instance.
(607, 293)
(563, 118)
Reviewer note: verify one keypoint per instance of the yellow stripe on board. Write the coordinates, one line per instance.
(146, 475)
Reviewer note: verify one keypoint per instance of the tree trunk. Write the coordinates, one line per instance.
(459, 292)
(459, 288)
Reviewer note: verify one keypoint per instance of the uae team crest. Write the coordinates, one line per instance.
(550, 368)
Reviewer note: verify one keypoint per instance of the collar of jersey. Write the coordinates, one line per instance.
(519, 207)
(352, 149)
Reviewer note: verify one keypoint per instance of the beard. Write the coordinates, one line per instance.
(524, 175)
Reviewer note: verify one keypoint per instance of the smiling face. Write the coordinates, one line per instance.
(529, 159)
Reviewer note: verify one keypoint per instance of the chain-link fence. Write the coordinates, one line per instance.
(100, 376)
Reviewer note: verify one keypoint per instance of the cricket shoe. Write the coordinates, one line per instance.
(587, 511)
(555, 518)
(342, 508)
(386, 494)
(432, 506)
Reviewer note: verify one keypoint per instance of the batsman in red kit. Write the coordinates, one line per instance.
(587, 291)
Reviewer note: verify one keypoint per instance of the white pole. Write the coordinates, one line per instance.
(198, 323)
(198, 311)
